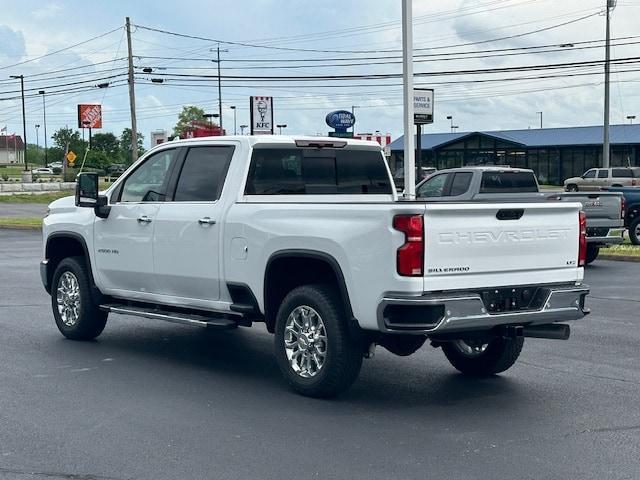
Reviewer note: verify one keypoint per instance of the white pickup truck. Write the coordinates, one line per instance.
(308, 235)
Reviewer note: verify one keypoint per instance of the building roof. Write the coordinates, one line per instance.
(7, 142)
(537, 137)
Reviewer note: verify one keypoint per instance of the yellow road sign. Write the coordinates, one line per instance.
(71, 157)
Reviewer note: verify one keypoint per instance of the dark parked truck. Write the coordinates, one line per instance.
(631, 197)
(604, 210)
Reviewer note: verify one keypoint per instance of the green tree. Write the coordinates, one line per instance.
(35, 155)
(64, 136)
(97, 159)
(125, 144)
(107, 143)
(189, 114)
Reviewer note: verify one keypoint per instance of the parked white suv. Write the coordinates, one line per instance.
(596, 178)
(307, 235)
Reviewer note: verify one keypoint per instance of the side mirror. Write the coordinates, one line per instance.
(87, 190)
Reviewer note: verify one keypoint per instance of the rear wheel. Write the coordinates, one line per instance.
(592, 253)
(77, 316)
(314, 348)
(634, 231)
(478, 359)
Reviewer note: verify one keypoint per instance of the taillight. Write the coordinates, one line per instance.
(410, 256)
(622, 205)
(582, 241)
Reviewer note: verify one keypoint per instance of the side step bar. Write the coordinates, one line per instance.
(192, 319)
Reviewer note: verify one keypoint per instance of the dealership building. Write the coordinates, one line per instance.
(553, 153)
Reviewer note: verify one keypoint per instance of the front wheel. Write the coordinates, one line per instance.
(634, 231)
(478, 359)
(314, 348)
(572, 188)
(77, 316)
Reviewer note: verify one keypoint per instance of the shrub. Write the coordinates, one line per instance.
(5, 177)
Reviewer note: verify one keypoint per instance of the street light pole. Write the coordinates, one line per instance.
(242, 127)
(450, 117)
(353, 110)
(631, 118)
(24, 121)
(233, 107)
(37, 138)
(44, 121)
(407, 94)
(540, 113)
(280, 127)
(611, 4)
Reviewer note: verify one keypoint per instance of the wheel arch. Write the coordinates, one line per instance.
(61, 245)
(308, 266)
(631, 213)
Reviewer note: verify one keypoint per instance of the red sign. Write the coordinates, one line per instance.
(90, 115)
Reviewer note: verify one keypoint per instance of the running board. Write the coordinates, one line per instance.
(192, 319)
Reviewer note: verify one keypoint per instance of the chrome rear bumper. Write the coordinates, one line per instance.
(437, 313)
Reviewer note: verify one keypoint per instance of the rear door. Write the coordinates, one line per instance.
(470, 245)
(622, 177)
(603, 178)
(187, 234)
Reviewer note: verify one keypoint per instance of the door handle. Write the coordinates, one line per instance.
(206, 221)
(144, 219)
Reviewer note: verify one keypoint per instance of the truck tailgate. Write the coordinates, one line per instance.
(472, 245)
(603, 209)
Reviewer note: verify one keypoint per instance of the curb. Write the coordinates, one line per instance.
(619, 258)
(21, 227)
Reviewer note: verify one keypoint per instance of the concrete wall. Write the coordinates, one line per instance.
(10, 188)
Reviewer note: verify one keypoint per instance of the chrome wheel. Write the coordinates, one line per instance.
(305, 341)
(68, 298)
(470, 348)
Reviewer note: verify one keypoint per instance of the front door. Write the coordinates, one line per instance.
(188, 229)
(123, 242)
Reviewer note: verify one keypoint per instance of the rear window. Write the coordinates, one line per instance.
(295, 171)
(508, 182)
(460, 183)
(622, 173)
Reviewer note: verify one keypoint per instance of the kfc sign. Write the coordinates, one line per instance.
(90, 115)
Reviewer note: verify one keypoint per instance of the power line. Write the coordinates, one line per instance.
(62, 49)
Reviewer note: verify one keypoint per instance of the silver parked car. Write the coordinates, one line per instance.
(596, 178)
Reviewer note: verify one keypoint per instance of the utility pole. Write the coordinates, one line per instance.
(233, 107)
(407, 94)
(44, 118)
(611, 4)
(219, 91)
(24, 122)
(132, 98)
(353, 114)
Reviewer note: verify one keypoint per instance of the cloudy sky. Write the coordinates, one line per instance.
(301, 38)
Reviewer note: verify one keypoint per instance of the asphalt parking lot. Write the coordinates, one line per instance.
(151, 400)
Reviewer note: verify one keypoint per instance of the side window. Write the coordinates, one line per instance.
(603, 173)
(148, 183)
(622, 173)
(434, 186)
(460, 183)
(590, 174)
(203, 174)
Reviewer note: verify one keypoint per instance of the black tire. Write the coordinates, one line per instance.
(633, 231)
(499, 355)
(572, 188)
(91, 320)
(592, 253)
(343, 353)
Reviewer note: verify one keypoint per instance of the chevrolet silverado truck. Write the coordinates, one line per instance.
(308, 236)
(604, 211)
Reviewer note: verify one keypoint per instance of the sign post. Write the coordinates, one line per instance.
(407, 91)
(261, 111)
(422, 114)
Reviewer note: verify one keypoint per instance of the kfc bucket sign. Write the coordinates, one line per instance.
(90, 115)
